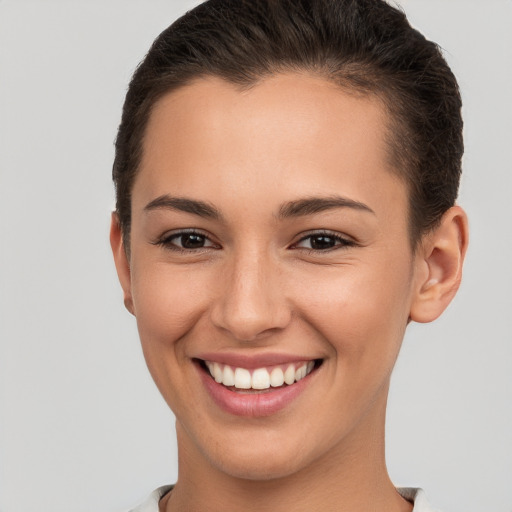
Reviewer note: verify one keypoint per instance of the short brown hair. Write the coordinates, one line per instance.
(366, 46)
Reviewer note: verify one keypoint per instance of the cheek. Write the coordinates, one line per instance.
(168, 303)
(360, 309)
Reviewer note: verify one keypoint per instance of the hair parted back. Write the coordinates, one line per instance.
(364, 46)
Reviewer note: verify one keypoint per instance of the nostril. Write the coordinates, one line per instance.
(251, 305)
(250, 322)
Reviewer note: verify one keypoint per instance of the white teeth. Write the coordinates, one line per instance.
(242, 378)
(276, 377)
(217, 372)
(289, 375)
(300, 373)
(228, 377)
(260, 379)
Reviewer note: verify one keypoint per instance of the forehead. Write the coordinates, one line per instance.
(292, 133)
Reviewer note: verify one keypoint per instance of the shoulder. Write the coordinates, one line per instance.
(150, 504)
(418, 497)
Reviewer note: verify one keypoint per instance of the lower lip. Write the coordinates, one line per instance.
(253, 404)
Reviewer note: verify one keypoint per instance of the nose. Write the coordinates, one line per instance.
(251, 301)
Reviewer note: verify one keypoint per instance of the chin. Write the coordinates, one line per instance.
(253, 457)
(257, 468)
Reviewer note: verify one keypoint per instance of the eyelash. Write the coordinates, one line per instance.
(340, 242)
(167, 241)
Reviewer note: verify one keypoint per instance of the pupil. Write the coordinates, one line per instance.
(192, 241)
(322, 242)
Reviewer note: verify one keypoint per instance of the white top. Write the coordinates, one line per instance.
(417, 496)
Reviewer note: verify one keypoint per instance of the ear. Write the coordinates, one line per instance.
(121, 261)
(438, 268)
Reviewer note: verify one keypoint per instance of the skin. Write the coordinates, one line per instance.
(258, 286)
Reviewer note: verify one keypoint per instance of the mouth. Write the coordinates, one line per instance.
(259, 380)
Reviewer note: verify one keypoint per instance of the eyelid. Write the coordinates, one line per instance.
(344, 240)
(166, 240)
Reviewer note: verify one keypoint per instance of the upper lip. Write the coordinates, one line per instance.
(253, 361)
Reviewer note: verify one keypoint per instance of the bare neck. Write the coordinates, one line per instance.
(352, 478)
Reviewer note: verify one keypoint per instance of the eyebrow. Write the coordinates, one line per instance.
(200, 208)
(312, 205)
(298, 208)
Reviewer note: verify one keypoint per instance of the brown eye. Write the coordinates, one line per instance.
(186, 241)
(323, 242)
(191, 241)
(319, 242)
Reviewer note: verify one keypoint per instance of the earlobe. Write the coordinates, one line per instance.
(439, 266)
(121, 261)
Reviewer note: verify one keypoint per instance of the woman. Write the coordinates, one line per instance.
(286, 176)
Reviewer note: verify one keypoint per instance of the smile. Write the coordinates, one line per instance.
(259, 378)
(256, 386)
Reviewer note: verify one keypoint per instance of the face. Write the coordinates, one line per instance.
(270, 271)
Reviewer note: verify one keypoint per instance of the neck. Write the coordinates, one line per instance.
(350, 478)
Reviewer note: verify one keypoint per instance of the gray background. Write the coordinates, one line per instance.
(82, 427)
